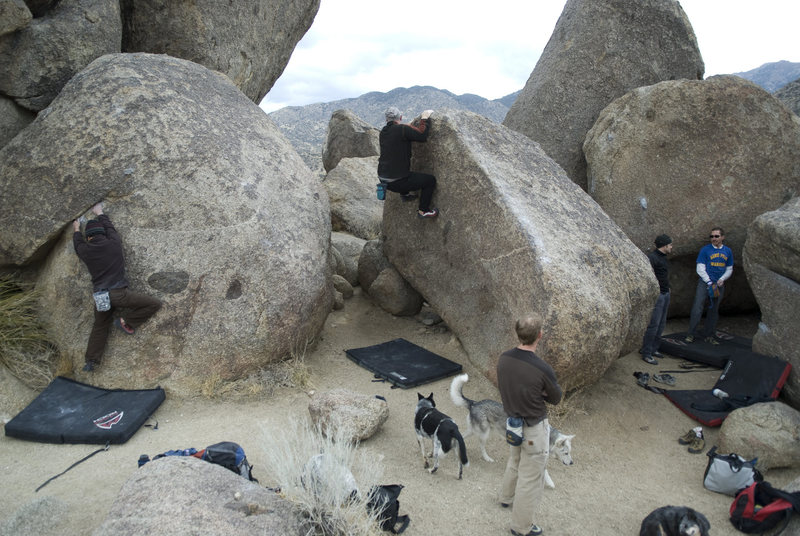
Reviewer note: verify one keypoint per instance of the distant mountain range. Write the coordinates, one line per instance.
(773, 76)
(306, 126)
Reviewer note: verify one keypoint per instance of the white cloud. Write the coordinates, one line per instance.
(357, 46)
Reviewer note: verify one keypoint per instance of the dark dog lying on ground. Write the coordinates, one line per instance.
(430, 423)
(675, 521)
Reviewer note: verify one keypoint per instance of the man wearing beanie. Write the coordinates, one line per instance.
(394, 162)
(101, 251)
(652, 336)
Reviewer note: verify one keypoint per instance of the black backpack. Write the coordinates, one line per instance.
(383, 501)
(759, 507)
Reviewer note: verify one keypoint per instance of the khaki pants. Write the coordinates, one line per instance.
(139, 308)
(523, 481)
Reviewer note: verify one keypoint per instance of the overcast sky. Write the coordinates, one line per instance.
(490, 48)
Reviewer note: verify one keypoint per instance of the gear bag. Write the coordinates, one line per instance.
(227, 454)
(383, 501)
(759, 507)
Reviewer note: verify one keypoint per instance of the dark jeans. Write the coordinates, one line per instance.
(652, 336)
(700, 298)
(416, 181)
(139, 308)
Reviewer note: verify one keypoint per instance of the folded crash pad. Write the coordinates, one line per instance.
(403, 363)
(747, 378)
(68, 411)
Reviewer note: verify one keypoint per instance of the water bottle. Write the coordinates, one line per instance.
(719, 393)
(381, 191)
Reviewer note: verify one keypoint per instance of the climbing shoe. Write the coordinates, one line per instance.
(430, 213)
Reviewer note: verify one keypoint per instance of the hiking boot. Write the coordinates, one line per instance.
(697, 444)
(120, 323)
(408, 197)
(649, 359)
(658, 354)
(689, 338)
(712, 340)
(535, 531)
(430, 213)
(687, 438)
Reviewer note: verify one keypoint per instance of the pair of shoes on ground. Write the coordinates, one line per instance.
(125, 328)
(90, 366)
(643, 378)
(535, 530)
(430, 213)
(694, 440)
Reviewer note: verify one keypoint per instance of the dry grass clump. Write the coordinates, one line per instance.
(327, 477)
(573, 402)
(24, 348)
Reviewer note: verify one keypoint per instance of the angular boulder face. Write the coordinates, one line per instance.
(515, 235)
(249, 42)
(355, 207)
(599, 50)
(772, 264)
(349, 137)
(189, 170)
(683, 156)
(37, 60)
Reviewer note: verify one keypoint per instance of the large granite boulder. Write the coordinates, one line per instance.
(683, 156)
(188, 168)
(38, 59)
(349, 137)
(600, 50)
(13, 119)
(177, 496)
(772, 263)
(249, 42)
(769, 431)
(355, 208)
(515, 235)
(789, 95)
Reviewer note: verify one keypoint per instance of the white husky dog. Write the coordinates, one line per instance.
(483, 416)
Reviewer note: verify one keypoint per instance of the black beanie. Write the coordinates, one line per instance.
(94, 227)
(663, 240)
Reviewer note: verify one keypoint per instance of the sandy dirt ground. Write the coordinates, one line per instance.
(627, 458)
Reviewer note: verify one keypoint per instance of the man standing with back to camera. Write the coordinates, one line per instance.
(394, 162)
(714, 266)
(526, 385)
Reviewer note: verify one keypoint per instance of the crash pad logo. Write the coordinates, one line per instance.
(107, 421)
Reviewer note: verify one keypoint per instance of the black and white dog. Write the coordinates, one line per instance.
(430, 423)
(675, 521)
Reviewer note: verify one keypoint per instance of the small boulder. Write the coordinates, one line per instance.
(349, 248)
(394, 295)
(357, 416)
(769, 431)
(176, 496)
(341, 285)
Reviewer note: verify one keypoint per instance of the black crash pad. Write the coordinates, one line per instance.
(72, 412)
(747, 377)
(403, 363)
(700, 351)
